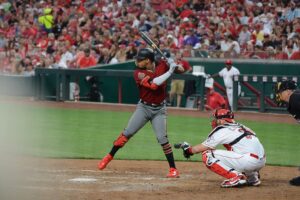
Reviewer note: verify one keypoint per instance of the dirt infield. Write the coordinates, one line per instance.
(124, 179)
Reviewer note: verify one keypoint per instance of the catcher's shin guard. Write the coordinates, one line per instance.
(121, 140)
(216, 166)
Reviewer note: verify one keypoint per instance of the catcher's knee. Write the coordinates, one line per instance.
(216, 166)
(208, 159)
(121, 140)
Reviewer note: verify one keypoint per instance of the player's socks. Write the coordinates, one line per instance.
(114, 150)
(167, 148)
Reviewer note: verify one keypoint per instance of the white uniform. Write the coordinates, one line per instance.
(245, 153)
(228, 82)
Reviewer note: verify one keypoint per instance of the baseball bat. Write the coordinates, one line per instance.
(152, 44)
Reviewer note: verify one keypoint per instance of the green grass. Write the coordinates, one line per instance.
(76, 133)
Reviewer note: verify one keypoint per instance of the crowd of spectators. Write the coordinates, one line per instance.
(78, 33)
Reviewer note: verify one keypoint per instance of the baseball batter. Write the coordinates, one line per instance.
(244, 157)
(151, 82)
(228, 73)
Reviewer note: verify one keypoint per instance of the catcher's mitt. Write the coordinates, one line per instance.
(186, 147)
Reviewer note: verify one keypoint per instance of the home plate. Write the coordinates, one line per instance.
(83, 180)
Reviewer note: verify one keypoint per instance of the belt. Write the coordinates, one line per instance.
(256, 156)
(152, 104)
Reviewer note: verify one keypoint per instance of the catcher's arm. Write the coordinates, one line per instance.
(186, 147)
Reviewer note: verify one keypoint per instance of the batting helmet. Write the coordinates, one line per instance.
(228, 62)
(282, 86)
(144, 54)
(225, 114)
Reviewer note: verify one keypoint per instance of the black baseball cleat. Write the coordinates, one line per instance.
(295, 181)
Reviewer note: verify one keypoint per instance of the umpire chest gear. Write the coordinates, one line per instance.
(294, 105)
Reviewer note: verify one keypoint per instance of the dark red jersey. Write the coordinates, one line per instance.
(148, 95)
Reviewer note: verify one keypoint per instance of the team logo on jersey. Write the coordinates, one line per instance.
(141, 75)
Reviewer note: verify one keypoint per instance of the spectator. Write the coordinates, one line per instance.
(258, 32)
(28, 71)
(190, 38)
(23, 64)
(105, 23)
(47, 20)
(66, 56)
(172, 42)
(120, 55)
(177, 85)
(279, 54)
(249, 51)
(87, 60)
(230, 47)
(131, 51)
(244, 36)
(292, 13)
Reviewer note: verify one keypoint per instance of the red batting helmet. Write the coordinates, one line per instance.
(225, 114)
(228, 62)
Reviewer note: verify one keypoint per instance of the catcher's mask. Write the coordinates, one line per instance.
(224, 114)
(282, 86)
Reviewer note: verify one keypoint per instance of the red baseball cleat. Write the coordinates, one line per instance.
(173, 173)
(102, 164)
(235, 181)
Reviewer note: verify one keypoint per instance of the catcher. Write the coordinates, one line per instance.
(244, 157)
(286, 93)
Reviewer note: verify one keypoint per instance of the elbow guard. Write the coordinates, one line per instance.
(145, 82)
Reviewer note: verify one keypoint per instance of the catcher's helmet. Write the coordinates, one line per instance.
(144, 54)
(282, 86)
(225, 114)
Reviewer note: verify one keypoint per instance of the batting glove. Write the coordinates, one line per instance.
(172, 64)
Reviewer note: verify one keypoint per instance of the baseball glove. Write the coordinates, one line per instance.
(186, 147)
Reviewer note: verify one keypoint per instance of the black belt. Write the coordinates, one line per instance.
(152, 104)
